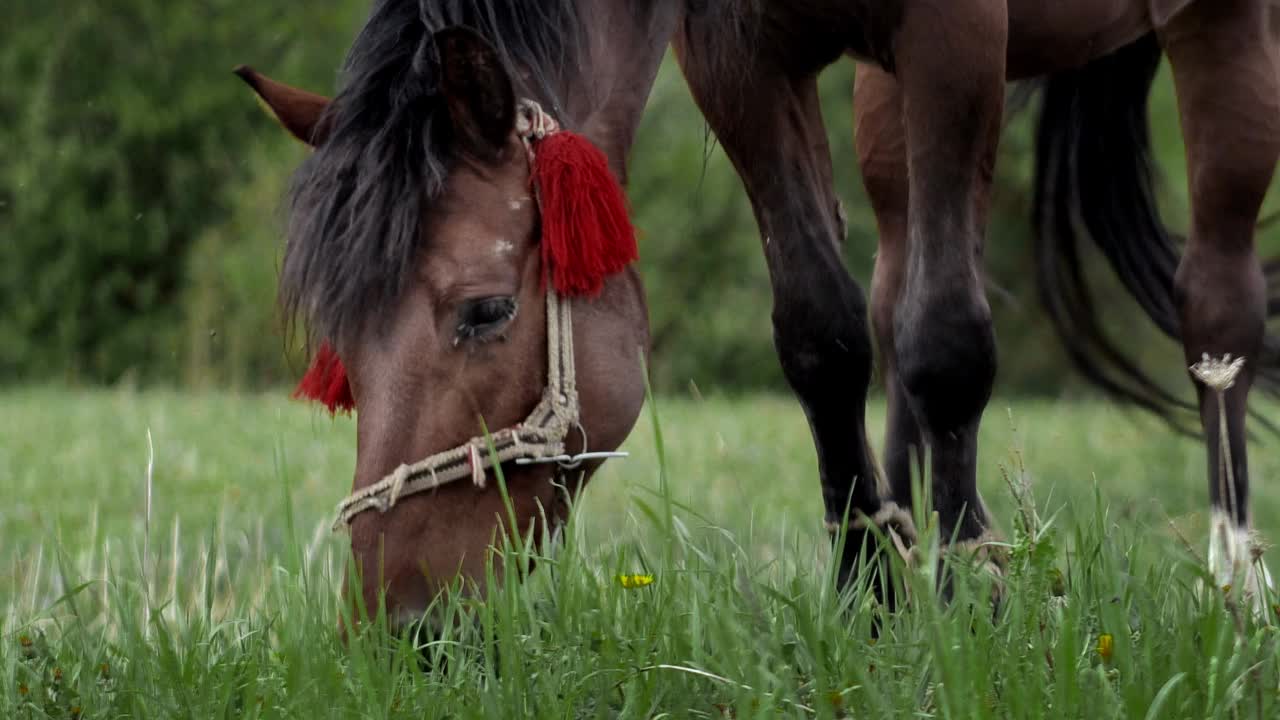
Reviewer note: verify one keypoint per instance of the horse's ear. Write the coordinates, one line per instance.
(1162, 11)
(300, 112)
(477, 89)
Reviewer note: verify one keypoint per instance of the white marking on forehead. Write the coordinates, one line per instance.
(503, 246)
(517, 203)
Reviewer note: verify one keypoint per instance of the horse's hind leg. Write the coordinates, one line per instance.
(765, 114)
(881, 142)
(951, 67)
(1229, 97)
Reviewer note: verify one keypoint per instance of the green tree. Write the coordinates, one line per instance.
(123, 130)
(141, 214)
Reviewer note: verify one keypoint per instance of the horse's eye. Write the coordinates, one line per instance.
(479, 319)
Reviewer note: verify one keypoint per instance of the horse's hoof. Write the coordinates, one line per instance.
(890, 523)
(986, 554)
(1235, 561)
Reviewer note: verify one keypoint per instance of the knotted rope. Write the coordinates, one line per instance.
(540, 436)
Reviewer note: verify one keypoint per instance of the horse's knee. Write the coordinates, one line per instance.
(1222, 300)
(946, 360)
(822, 338)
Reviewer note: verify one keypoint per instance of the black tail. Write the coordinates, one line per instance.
(1095, 181)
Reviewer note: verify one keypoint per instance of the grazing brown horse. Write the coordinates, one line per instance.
(413, 248)
(1093, 181)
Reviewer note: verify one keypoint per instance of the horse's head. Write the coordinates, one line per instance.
(415, 251)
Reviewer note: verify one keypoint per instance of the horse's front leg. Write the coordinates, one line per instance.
(765, 114)
(951, 66)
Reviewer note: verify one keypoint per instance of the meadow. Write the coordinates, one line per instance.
(224, 603)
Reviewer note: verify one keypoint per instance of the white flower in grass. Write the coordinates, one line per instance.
(1217, 374)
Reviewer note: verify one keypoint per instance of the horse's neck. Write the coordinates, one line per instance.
(604, 95)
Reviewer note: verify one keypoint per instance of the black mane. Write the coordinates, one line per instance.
(357, 202)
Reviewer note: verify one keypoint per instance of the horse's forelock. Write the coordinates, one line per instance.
(357, 203)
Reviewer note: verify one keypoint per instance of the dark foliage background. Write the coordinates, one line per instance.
(141, 188)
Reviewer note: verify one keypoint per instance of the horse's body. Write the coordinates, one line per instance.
(414, 245)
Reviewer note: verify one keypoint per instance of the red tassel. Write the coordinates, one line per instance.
(326, 382)
(586, 232)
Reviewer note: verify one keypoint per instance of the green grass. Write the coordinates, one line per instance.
(236, 612)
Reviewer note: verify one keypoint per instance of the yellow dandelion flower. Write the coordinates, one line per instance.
(57, 674)
(630, 582)
(24, 641)
(1106, 646)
